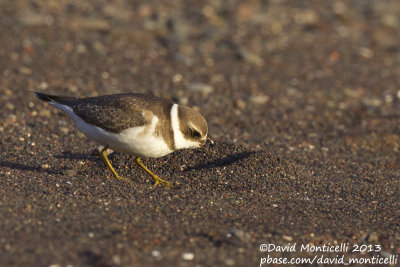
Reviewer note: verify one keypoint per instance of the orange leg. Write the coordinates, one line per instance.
(104, 157)
(158, 179)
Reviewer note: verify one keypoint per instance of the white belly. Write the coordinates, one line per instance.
(137, 141)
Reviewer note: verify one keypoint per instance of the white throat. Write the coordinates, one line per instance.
(179, 139)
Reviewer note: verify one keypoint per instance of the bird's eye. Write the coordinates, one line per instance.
(195, 133)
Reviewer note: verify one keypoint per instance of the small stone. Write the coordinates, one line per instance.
(251, 57)
(43, 85)
(366, 52)
(241, 235)
(259, 99)
(373, 237)
(200, 87)
(287, 238)
(69, 172)
(306, 17)
(8, 92)
(386, 254)
(44, 166)
(28, 207)
(64, 130)
(187, 256)
(230, 262)
(105, 75)
(10, 106)
(73, 88)
(25, 70)
(240, 104)
(390, 20)
(99, 47)
(188, 61)
(116, 259)
(373, 102)
(44, 112)
(12, 118)
(81, 49)
(177, 78)
(156, 253)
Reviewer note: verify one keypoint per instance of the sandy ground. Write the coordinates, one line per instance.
(302, 100)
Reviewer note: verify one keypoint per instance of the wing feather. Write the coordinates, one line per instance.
(113, 113)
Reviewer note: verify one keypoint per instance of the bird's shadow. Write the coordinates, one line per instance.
(215, 163)
(69, 155)
(38, 168)
(23, 167)
(221, 161)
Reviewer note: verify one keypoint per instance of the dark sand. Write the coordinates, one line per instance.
(302, 100)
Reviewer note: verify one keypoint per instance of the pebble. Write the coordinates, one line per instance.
(64, 130)
(156, 253)
(81, 49)
(72, 88)
(177, 78)
(116, 259)
(240, 104)
(287, 238)
(241, 235)
(187, 256)
(44, 166)
(366, 52)
(99, 47)
(69, 172)
(188, 61)
(44, 112)
(10, 106)
(390, 20)
(25, 70)
(372, 102)
(259, 99)
(373, 237)
(230, 262)
(306, 17)
(386, 254)
(200, 87)
(43, 85)
(251, 57)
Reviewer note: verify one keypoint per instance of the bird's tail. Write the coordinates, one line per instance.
(63, 100)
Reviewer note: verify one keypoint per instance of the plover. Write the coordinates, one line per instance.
(137, 124)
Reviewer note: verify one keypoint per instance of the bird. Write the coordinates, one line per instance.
(141, 125)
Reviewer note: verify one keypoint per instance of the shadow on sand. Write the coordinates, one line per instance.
(221, 162)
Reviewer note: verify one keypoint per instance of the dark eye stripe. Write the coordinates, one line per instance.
(195, 133)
